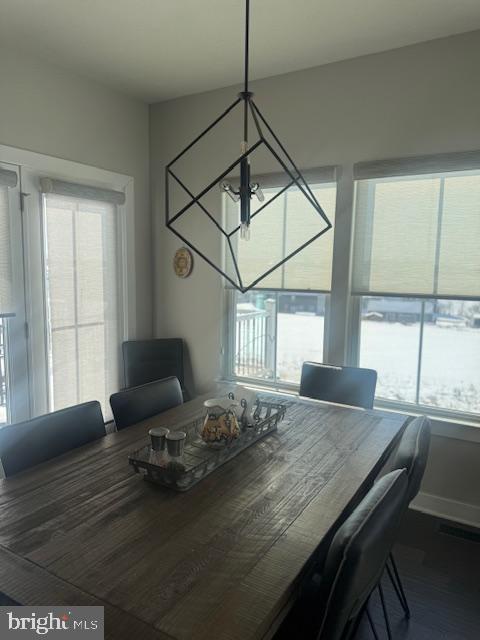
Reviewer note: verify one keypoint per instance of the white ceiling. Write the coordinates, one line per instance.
(160, 49)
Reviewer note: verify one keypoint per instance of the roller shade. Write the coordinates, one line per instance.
(287, 223)
(8, 179)
(82, 284)
(419, 235)
(86, 192)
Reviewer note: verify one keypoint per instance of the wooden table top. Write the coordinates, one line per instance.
(221, 561)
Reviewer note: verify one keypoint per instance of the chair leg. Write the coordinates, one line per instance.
(403, 602)
(385, 612)
(372, 624)
(398, 585)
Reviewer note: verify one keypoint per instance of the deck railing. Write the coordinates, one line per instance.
(3, 371)
(255, 342)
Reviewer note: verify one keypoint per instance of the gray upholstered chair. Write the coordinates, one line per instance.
(148, 360)
(25, 444)
(332, 603)
(412, 455)
(139, 403)
(344, 385)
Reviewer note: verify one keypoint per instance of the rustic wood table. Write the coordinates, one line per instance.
(221, 561)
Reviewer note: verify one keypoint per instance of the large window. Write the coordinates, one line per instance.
(3, 372)
(67, 278)
(402, 298)
(82, 299)
(416, 266)
(275, 332)
(425, 351)
(275, 327)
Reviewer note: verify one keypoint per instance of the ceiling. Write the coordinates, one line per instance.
(161, 49)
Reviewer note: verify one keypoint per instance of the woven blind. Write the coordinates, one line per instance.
(418, 235)
(7, 306)
(82, 287)
(285, 224)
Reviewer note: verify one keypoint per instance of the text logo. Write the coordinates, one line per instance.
(51, 622)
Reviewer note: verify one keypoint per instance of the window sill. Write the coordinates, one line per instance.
(445, 423)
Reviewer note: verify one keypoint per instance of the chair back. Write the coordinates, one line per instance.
(357, 556)
(412, 454)
(148, 360)
(344, 385)
(139, 403)
(29, 443)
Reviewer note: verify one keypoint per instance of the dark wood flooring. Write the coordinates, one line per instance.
(441, 577)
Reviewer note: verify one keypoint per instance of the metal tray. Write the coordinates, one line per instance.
(200, 459)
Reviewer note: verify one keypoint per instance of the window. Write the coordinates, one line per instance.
(276, 332)
(410, 308)
(281, 323)
(67, 274)
(82, 295)
(6, 281)
(425, 351)
(3, 372)
(416, 265)
(14, 404)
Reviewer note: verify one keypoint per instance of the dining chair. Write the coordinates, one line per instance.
(148, 360)
(331, 604)
(411, 454)
(139, 403)
(353, 386)
(25, 444)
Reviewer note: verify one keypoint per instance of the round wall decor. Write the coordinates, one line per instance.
(183, 262)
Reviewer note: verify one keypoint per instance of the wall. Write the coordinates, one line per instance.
(416, 100)
(50, 111)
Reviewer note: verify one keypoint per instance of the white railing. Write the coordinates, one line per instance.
(3, 371)
(255, 342)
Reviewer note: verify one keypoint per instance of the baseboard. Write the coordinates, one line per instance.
(447, 509)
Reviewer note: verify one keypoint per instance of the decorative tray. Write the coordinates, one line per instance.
(199, 458)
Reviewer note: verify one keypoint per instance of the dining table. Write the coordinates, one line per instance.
(223, 560)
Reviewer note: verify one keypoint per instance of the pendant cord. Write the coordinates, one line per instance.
(247, 46)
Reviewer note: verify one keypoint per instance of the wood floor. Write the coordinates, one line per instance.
(441, 576)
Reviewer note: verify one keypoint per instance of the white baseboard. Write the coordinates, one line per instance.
(462, 512)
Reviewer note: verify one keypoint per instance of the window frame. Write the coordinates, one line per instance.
(342, 329)
(229, 339)
(416, 407)
(32, 166)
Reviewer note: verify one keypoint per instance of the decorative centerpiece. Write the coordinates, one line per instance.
(180, 459)
(221, 425)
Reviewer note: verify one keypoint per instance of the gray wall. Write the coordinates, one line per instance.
(416, 100)
(50, 111)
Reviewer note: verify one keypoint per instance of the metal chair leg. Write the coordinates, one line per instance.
(403, 602)
(385, 612)
(372, 624)
(399, 586)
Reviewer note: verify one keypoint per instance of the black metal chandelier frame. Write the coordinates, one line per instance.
(246, 189)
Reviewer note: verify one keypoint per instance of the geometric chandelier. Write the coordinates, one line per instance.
(239, 184)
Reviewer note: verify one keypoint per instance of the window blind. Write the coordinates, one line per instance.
(284, 225)
(8, 179)
(86, 192)
(418, 235)
(82, 294)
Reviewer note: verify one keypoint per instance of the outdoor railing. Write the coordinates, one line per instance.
(3, 376)
(254, 343)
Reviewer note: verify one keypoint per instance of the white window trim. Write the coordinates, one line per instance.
(32, 166)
